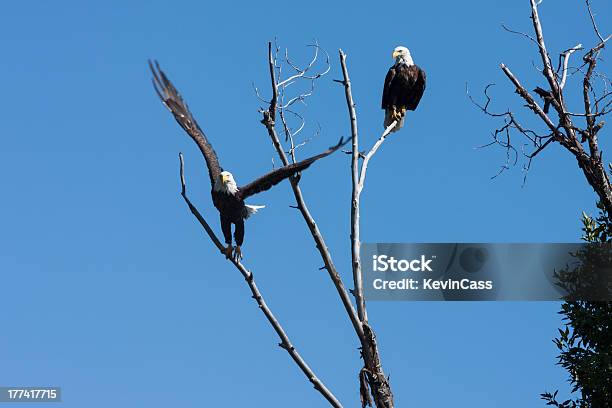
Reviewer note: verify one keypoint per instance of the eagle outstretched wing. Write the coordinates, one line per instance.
(174, 102)
(274, 177)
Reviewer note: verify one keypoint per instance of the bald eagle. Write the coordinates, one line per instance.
(404, 87)
(227, 196)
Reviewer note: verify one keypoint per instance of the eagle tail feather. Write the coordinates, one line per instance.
(252, 209)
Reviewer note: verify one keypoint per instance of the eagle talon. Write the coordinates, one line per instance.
(237, 253)
(397, 116)
(394, 113)
(228, 251)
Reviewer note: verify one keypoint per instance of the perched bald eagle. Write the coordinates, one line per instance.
(404, 87)
(227, 197)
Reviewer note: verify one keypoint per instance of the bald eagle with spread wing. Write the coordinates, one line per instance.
(227, 197)
(403, 89)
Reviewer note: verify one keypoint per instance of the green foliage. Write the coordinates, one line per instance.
(585, 343)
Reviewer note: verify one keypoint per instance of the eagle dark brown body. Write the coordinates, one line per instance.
(232, 210)
(230, 206)
(403, 89)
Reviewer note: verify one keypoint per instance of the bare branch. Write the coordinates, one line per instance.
(355, 239)
(566, 56)
(539, 149)
(258, 95)
(485, 107)
(300, 98)
(531, 103)
(602, 112)
(501, 136)
(372, 152)
(281, 103)
(285, 342)
(273, 101)
(588, 4)
(301, 72)
(530, 38)
(548, 71)
(290, 134)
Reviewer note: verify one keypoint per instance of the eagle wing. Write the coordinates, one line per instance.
(386, 96)
(418, 88)
(274, 177)
(174, 102)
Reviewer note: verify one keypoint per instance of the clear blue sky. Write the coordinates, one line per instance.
(111, 290)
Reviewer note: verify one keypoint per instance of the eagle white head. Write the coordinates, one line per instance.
(401, 54)
(226, 183)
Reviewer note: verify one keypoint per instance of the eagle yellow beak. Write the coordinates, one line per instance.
(395, 54)
(224, 178)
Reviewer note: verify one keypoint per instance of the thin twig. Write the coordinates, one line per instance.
(588, 4)
(530, 38)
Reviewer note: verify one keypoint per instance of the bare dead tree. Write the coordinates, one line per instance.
(373, 383)
(576, 130)
(372, 378)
